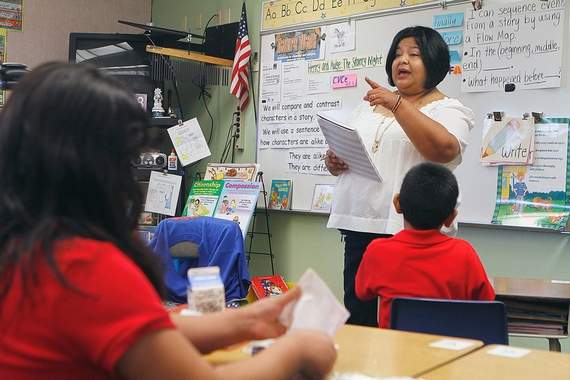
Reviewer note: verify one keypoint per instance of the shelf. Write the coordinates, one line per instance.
(163, 122)
(184, 54)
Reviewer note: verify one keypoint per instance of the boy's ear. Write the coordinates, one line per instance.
(396, 202)
(449, 220)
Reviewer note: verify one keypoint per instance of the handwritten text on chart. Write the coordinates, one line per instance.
(281, 136)
(307, 161)
(296, 113)
(518, 44)
(347, 63)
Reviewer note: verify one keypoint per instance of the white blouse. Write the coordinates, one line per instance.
(364, 205)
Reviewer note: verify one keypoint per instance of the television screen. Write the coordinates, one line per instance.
(120, 55)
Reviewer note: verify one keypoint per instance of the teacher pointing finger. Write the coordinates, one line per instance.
(401, 127)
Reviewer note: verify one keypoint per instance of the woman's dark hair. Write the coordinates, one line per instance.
(433, 49)
(428, 195)
(68, 135)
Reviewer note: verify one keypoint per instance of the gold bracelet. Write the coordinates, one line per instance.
(398, 102)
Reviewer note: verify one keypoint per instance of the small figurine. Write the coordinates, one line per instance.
(157, 110)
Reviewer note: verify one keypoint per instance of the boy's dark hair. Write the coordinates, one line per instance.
(428, 195)
(67, 139)
(433, 49)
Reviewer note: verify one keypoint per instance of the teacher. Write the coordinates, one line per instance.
(400, 129)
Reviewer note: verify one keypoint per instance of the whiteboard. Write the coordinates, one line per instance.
(374, 33)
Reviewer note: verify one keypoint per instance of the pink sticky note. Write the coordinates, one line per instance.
(344, 80)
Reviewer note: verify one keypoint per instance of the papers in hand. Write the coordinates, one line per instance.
(347, 144)
(316, 309)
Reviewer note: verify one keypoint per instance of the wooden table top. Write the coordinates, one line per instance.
(482, 365)
(533, 288)
(378, 352)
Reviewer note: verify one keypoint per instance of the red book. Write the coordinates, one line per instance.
(267, 286)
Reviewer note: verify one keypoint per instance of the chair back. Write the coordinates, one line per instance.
(187, 242)
(481, 320)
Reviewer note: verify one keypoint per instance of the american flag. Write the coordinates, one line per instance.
(240, 87)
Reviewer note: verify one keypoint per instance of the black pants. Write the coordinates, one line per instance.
(364, 313)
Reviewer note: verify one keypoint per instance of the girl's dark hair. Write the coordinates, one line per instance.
(433, 49)
(68, 134)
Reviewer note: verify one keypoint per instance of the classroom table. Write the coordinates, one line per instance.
(541, 291)
(535, 364)
(378, 352)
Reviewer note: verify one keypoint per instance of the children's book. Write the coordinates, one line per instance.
(203, 198)
(230, 200)
(280, 195)
(268, 286)
(231, 172)
(322, 198)
(237, 202)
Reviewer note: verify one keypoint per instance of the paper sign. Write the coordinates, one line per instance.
(509, 352)
(449, 20)
(344, 80)
(451, 344)
(453, 38)
(189, 142)
(162, 193)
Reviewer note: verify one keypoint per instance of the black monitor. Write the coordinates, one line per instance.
(121, 55)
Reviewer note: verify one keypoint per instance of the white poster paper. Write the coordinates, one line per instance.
(162, 194)
(271, 79)
(189, 142)
(341, 37)
(295, 79)
(514, 46)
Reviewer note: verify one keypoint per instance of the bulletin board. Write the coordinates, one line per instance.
(537, 59)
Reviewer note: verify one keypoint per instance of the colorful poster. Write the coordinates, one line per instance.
(301, 44)
(11, 14)
(509, 141)
(537, 195)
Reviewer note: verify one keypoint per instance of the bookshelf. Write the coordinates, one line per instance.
(535, 308)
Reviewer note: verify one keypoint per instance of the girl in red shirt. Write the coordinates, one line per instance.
(79, 294)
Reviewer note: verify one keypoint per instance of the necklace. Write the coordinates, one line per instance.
(380, 133)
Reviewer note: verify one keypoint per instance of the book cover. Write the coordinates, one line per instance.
(268, 286)
(231, 172)
(203, 198)
(322, 198)
(237, 202)
(280, 195)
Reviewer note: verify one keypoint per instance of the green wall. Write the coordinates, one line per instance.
(302, 240)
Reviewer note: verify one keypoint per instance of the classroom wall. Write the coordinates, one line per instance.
(302, 240)
(47, 24)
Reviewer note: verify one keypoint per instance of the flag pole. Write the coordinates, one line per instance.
(252, 85)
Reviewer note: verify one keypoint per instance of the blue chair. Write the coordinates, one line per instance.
(481, 320)
(188, 242)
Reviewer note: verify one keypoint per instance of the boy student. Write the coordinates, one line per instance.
(420, 261)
